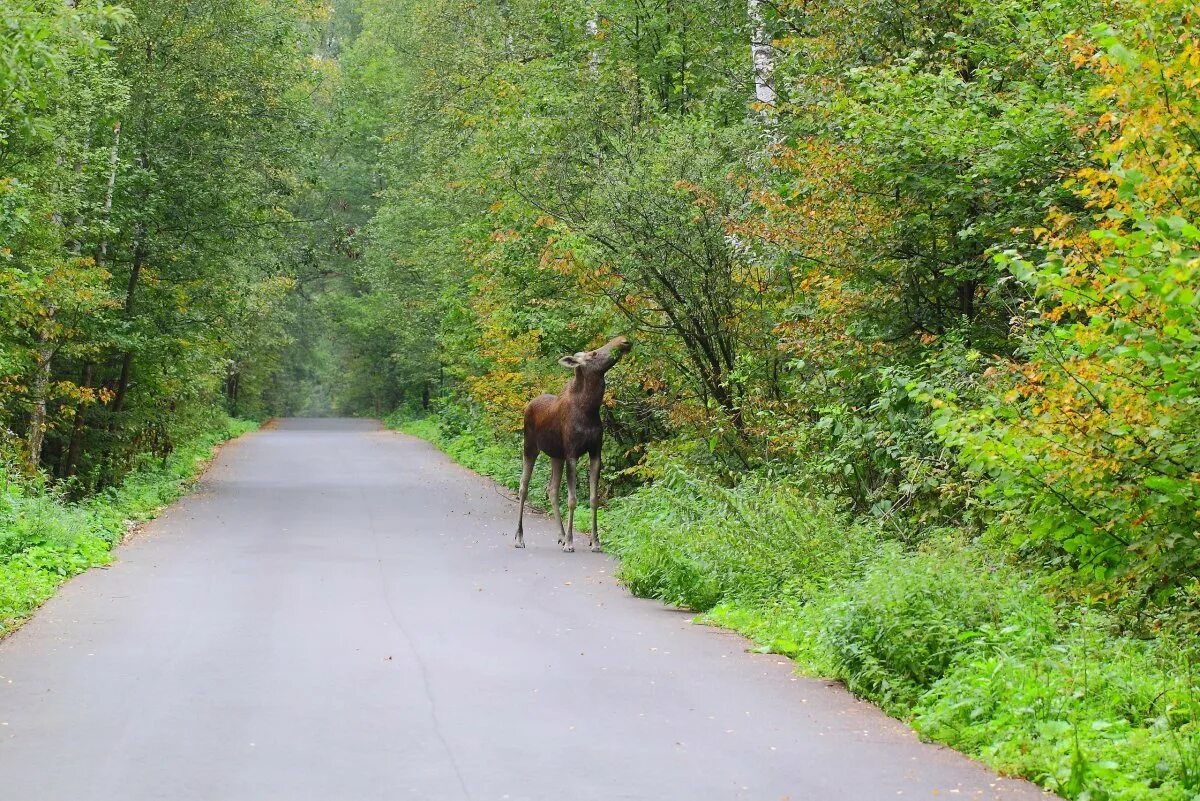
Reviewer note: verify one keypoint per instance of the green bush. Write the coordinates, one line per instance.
(898, 629)
(1090, 716)
(691, 542)
(31, 514)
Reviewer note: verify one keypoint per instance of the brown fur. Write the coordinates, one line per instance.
(565, 427)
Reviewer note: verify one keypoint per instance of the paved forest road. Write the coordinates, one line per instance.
(337, 614)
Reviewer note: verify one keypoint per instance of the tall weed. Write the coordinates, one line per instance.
(1089, 715)
(691, 542)
(898, 629)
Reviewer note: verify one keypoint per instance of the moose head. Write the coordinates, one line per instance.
(598, 361)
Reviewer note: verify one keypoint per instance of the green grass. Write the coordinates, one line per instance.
(972, 648)
(45, 539)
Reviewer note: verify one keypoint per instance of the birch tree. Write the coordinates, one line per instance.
(763, 58)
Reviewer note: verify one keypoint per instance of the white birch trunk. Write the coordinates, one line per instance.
(762, 55)
(593, 29)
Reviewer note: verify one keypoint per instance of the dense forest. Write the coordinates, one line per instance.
(913, 289)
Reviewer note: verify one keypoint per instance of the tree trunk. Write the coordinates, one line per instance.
(40, 391)
(75, 449)
(135, 271)
(118, 401)
(593, 30)
(763, 57)
(232, 385)
(113, 161)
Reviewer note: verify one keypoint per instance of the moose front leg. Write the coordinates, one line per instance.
(556, 467)
(572, 502)
(526, 472)
(593, 495)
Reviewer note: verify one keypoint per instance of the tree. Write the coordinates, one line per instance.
(1092, 436)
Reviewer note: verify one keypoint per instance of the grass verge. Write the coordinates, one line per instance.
(45, 539)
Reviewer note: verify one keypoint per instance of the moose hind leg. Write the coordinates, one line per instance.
(572, 502)
(593, 492)
(526, 472)
(556, 467)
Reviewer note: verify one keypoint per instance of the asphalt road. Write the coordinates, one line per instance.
(338, 613)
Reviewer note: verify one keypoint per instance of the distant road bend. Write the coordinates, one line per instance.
(338, 614)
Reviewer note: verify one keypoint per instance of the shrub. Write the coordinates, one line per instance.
(1091, 436)
(1092, 716)
(31, 514)
(900, 627)
(689, 541)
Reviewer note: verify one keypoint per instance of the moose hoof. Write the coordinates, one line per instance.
(597, 549)
(568, 549)
(519, 544)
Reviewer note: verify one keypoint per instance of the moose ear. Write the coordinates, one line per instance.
(570, 361)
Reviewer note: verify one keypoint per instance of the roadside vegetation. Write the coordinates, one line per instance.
(913, 290)
(976, 651)
(154, 182)
(45, 538)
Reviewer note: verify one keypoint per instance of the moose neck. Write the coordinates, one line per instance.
(586, 391)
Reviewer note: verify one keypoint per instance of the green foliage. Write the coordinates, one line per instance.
(1090, 716)
(901, 626)
(40, 42)
(1091, 436)
(967, 118)
(1100, 449)
(887, 456)
(691, 542)
(148, 160)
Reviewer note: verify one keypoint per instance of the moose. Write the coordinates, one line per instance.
(565, 427)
